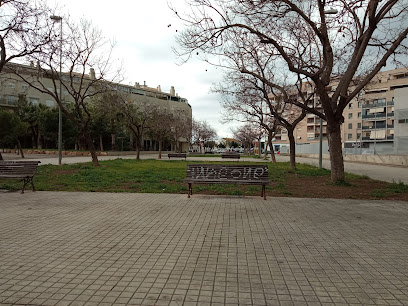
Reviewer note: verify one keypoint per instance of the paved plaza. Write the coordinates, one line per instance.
(61, 248)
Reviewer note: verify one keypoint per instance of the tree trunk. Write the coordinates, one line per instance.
(113, 142)
(138, 145)
(336, 153)
(33, 138)
(19, 148)
(259, 146)
(39, 144)
(272, 150)
(137, 152)
(131, 145)
(100, 143)
(91, 147)
(292, 148)
(1, 156)
(160, 149)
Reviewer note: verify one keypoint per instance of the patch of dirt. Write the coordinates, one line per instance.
(319, 187)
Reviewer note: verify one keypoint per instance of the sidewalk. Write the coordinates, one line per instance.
(385, 173)
(61, 248)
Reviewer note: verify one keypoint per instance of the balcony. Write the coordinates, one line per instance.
(376, 126)
(378, 104)
(388, 138)
(375, 116)
(390, 114)
(390, 126)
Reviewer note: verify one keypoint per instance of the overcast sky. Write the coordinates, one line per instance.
(144, 42)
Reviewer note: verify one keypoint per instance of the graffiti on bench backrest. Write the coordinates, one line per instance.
(225, 173)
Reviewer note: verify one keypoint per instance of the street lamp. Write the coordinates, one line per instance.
(59, 19)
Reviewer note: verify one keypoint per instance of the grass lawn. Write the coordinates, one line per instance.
(153, 176)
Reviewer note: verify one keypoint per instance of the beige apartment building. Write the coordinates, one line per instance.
(11, 88)
(375, 121)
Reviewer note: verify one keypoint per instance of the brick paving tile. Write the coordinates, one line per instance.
(60, 248)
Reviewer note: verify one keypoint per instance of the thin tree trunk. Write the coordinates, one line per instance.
(1, 156)
(91, 147)
(336, 153)
(160, 149)
(292, 148)
(100, 143)
(131, 145)
(259, 146)
(39, 144)
(272, 150)
(137, 152)
(113, 142)
(33, 138)
(19, 148)
(138, 144)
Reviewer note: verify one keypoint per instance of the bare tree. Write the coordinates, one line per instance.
(139, 120)
(246, 135)
(180, 127)
(82, 50)
(160, 128)
(247, 99)
(307, 40)
(24, 29)
(202, 132)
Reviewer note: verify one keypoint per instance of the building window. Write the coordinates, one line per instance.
(358, 135)
(11, 85)
(359, 125)
(359, 104)
(49, 103)
(350, 115)
(11, 100)
(359, 115)
(349, 136)
(403, 121)
(34, 101)
(24, 86)
(350, 126)
(350, 105)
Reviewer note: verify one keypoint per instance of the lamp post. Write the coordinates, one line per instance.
(321, 144)
(59, 19)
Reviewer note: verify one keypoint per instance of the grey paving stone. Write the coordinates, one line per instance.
(158, 249)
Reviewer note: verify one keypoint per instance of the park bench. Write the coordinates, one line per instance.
(177, 155)
(231, 155)
(227, 174)
(23, 170)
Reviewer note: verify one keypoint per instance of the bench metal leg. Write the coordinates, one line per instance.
(26, 181)
(190, 189)
(263, 192)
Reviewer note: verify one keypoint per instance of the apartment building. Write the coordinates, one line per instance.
(370, 123)
(12, 89)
